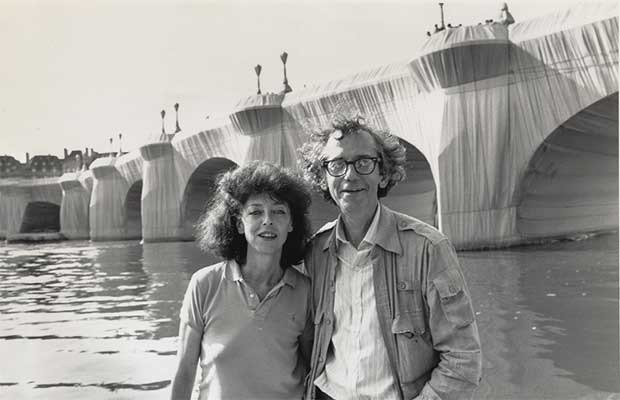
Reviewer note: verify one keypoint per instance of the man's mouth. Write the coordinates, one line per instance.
(351, 190)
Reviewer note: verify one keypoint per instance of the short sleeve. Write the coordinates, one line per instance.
(192, 307)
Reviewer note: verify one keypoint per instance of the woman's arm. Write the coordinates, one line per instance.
(187, 355)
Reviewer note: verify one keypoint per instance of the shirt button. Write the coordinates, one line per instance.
(328, 321)
(402, 285)
(252, 295)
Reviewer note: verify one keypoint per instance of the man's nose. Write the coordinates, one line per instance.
(350, 173)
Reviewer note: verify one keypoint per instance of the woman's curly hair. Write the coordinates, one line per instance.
(393, 154)
(217, 229)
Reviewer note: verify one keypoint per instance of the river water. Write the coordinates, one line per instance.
(81, 320)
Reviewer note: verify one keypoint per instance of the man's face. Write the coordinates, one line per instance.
(354, 194)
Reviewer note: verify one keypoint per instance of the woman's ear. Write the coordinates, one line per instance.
(240, 227)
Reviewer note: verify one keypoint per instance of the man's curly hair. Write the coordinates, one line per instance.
(217, 229)
(393, 154)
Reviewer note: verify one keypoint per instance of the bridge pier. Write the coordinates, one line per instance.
(161, 203)
(106, 211)
(74, 209)
(12, 208)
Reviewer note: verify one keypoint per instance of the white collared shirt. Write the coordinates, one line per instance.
(357, 365)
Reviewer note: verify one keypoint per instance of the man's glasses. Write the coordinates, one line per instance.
(363, 166)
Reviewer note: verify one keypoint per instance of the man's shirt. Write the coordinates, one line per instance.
(423, 305)
(357, 365)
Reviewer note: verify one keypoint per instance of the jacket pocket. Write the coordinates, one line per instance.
(415, 354)
(455, 302)
(409, 324)
(409, 297)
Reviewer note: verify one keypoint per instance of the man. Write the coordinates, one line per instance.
(392, 313)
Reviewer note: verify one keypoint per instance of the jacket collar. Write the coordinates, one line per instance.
(386, 234)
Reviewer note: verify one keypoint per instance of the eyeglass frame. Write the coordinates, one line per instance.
(376, 160)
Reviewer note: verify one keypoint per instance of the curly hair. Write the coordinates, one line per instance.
(217, 228)
(392, 154)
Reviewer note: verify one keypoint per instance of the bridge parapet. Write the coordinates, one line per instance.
(258, 114)
(153, 151)
(462, 55)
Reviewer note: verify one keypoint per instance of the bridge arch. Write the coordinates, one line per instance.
(41, 216)
(199, 190)
(133, 211)
(571, 183)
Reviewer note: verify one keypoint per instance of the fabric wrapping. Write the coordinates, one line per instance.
(512, 136)
(161, 217)
(74, 222)
(106, 211)
(12, 208)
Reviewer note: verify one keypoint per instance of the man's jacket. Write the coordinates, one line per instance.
(423, 303)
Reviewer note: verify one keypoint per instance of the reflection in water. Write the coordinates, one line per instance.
(99, 320)
(548, 319)
(574, 290)
(102, 315)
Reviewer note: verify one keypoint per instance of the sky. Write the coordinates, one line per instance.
(74, 74)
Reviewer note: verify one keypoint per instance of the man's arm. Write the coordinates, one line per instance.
(453, 329)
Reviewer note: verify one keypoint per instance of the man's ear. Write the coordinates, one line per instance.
(323, 185)
(384, 181)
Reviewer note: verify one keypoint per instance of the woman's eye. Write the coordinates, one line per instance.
(280, 211)
(254, 212)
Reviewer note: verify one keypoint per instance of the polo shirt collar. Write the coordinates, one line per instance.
(289, 277)
(233, 273)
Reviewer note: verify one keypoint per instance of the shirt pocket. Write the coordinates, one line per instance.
(455, 302)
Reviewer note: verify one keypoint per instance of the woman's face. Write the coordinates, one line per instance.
(266, 223)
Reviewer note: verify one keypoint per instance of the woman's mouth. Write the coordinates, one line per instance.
(267, 235)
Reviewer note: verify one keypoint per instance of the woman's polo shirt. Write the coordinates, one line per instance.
(249, 347)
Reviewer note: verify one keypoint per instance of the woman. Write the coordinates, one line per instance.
(247, 318)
